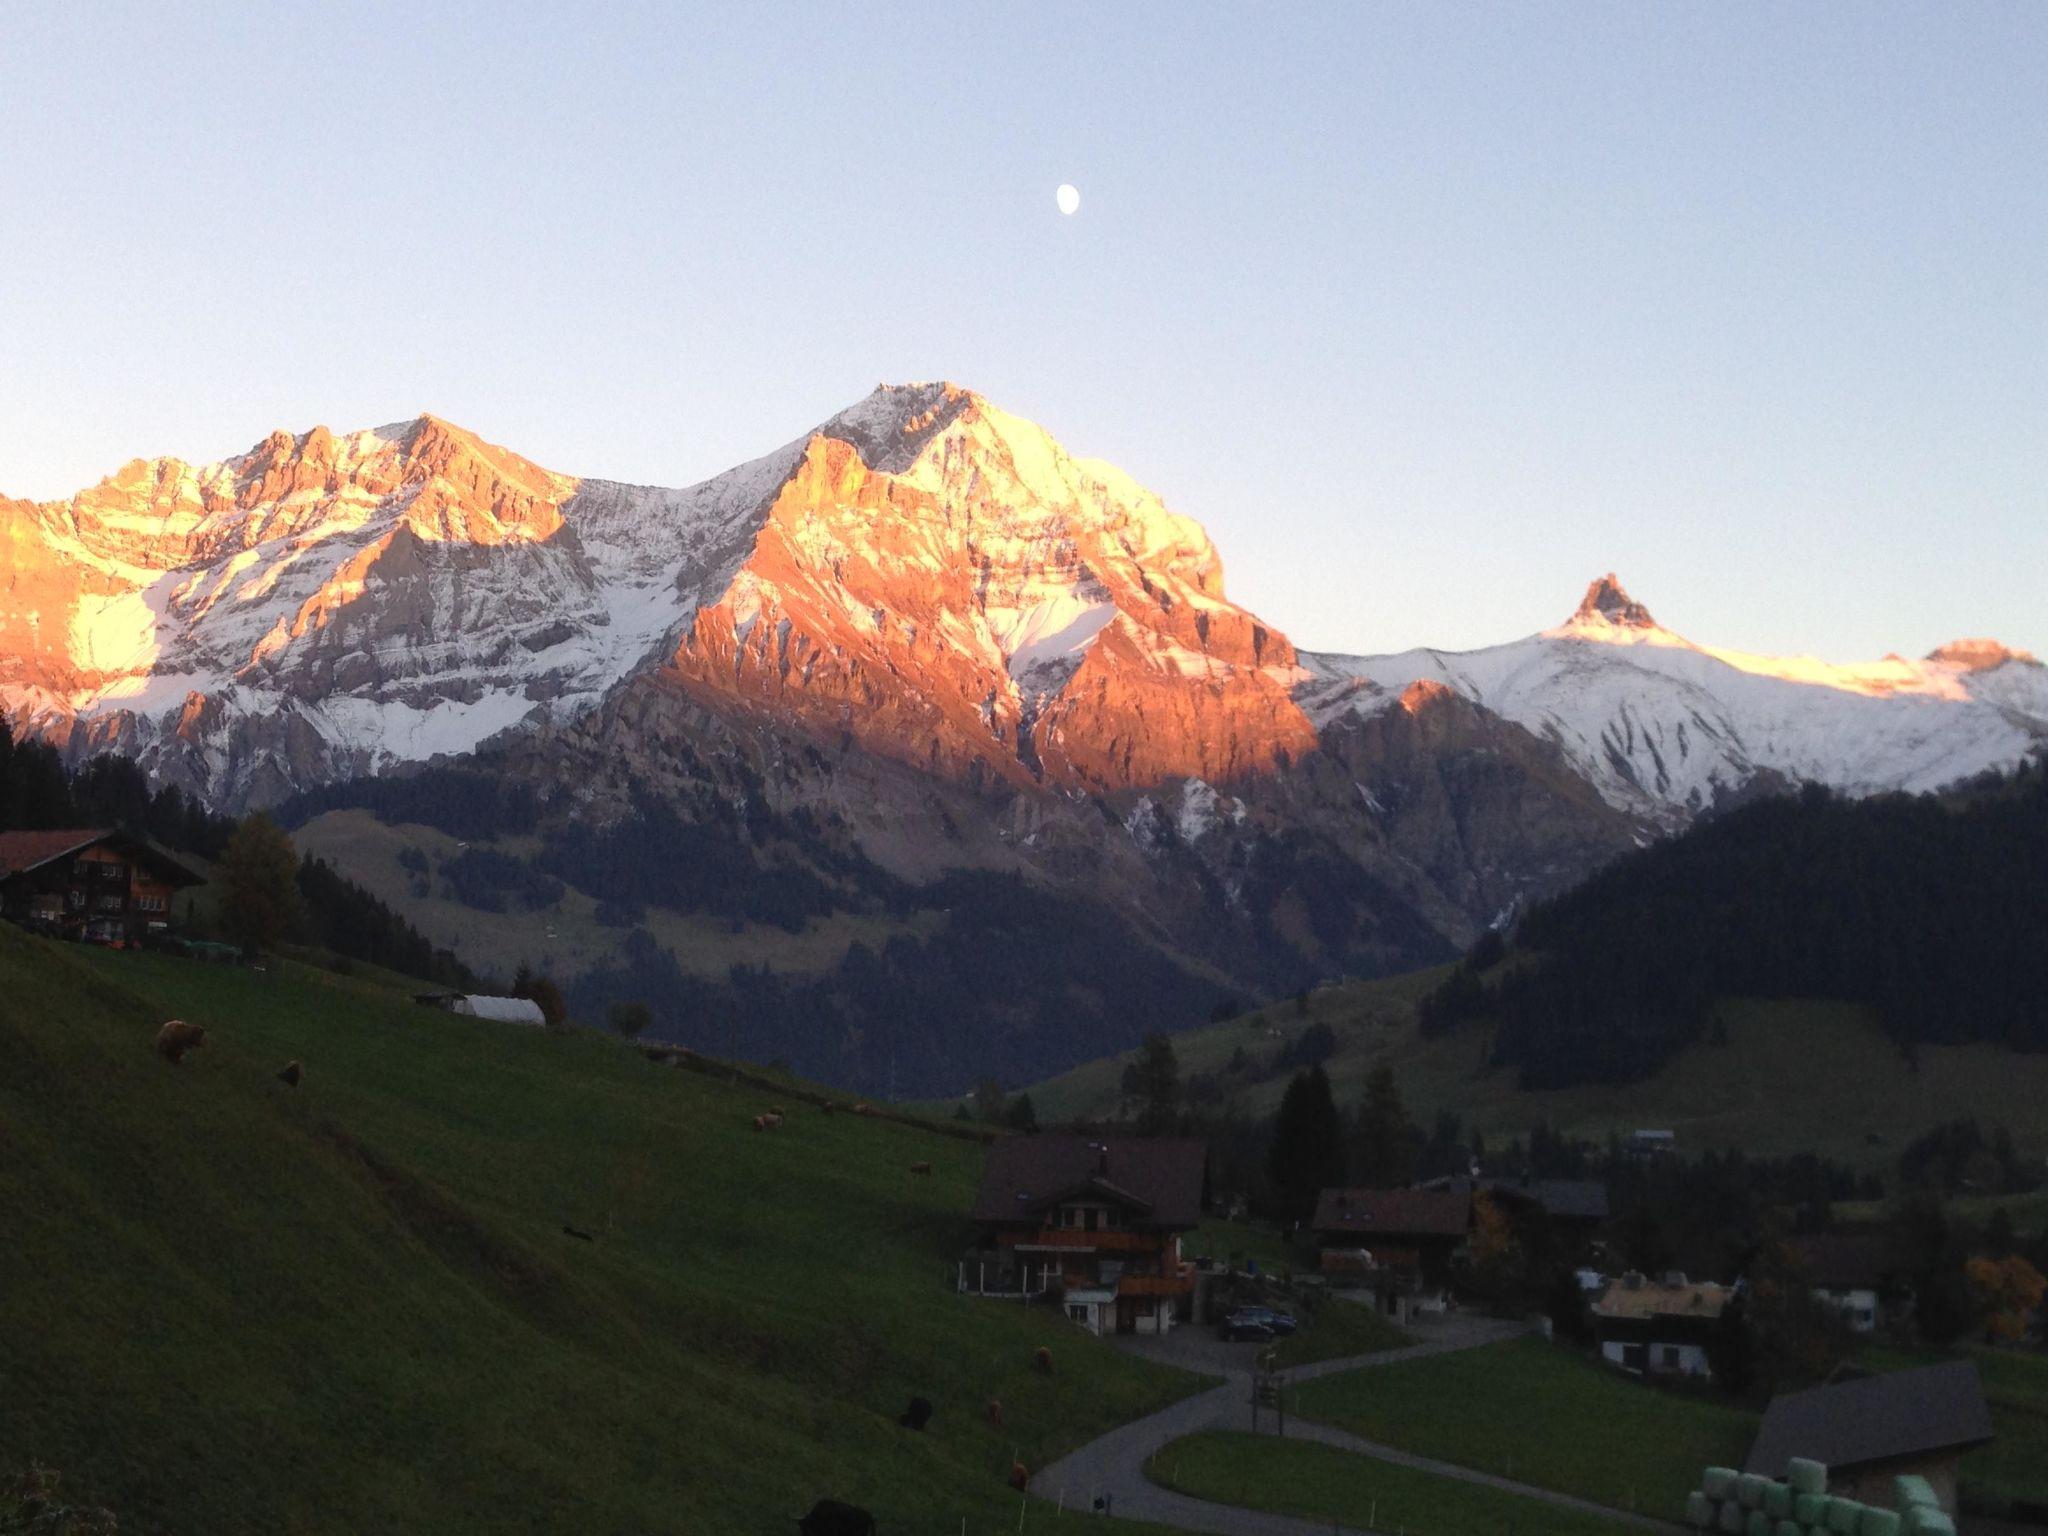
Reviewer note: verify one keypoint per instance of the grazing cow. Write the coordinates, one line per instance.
(176, 1038)
(291, 1074)
(917, 1415)
(767, 1122)
(829, 1517)
(862, 1109)
(922, 1169)
(1042, 1358)
(1018, 1476)
(995, 1412)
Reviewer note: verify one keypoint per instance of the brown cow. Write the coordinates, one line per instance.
(1018, 1476)
(291, 1074)
(1042, 1358)
(995, 1412)
(922, 1169)
(176, 1038)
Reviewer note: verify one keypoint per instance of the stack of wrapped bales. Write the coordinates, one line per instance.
(1744, 1504)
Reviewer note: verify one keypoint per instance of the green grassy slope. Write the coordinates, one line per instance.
(230, 1306)
(1320, 1483)
(1540, 1414)
(1793, 1077)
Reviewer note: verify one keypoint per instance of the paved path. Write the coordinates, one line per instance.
(1113, 1466)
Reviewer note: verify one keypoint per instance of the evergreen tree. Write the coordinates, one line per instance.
(1384, 1149)
(631, 1019)
(1021, 1115)
(1158, 1086)
(1307, 1152)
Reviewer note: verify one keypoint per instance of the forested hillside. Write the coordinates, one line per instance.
(1928, 910)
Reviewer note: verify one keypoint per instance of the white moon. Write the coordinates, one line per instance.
(1069, 198)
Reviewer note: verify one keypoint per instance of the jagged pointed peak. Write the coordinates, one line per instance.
(1980, 655)
(891, 426)
(1608, 604)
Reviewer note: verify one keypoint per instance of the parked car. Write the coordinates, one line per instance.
(1246, 1323)
(1281, 1323)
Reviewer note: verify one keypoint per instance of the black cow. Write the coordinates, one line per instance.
(829, 1517)
(917, 1415)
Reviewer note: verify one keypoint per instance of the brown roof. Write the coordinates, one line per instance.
(1648, 1298)
(20, 851)
(1393, 1212)
(1854, 1423)
(1160, 1182)
(1842, 1261)
(24, 851)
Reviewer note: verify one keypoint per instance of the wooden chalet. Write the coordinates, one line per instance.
(1092, 1223)
(1405, 1237)
(1659, 1327)
(97, 884)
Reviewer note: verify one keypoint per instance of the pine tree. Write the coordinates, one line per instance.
(1307, 1154)
(1384, 1149)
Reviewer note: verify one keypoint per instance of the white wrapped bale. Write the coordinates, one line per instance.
(1806, 1476)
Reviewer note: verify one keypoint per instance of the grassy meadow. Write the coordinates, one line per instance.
(1540, 1414)
(1793, 1077)
(227, 1305)
(1321, 1483)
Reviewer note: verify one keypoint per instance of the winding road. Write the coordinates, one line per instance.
(1112, 1467)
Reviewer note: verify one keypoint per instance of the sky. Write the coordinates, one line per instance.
(1429, 313)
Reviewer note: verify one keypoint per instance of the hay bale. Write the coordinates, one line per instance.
(1844, 1515)
(1699, 1511)
(1810, 1509)
(1788, 1528)
(1778, 1501)
(1910, 1491)
(1734, 1519)
(1718, 1483)
(1806, 1476)
(1757, 1523)
(1923, 1520)
(1879, 1522)
(1749, 1488)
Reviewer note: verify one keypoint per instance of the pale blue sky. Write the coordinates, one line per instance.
(1429, 313)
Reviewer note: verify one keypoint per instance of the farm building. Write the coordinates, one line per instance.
(1875, 1429)
(1093, 1223)
(1658, 1327)
(97, 884)
(1851, 1273)
(1400, 1242)
(476, 1005)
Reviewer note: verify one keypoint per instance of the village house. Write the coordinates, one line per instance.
(1092, 1223)
(1399, 1243)
(1560, 1215)
(1850, 1273)
(1872, 1430)
(1658, 1327)
(97, 884)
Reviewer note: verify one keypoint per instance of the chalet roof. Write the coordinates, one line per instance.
(1842, 1261)
(1854, 1423)
(1632, 1296)
(1394, 1212)
(1571, 1199)
(1160, 1180)
(21, 852)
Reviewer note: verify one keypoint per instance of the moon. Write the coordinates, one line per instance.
(1069, 198)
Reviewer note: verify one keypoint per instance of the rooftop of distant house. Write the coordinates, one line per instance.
(1158, 1182)
(1565, 1199)
(21, 852)
(1845, 1261)
(1875, 1419)
(1401, 1212)
(1638, 1296)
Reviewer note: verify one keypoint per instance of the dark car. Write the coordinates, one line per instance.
(1246, 1323)
(1281, 1323)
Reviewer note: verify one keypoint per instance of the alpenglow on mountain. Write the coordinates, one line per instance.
(916, 697)
(924, 570)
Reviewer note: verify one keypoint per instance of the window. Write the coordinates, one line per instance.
(109, 901)
(151, 904)
(1078, 1313)
(75, 900)
(111, 872)
(1667, 1356)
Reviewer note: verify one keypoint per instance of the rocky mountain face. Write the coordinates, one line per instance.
(933, 641)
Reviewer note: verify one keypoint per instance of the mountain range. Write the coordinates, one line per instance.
(925, 638)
